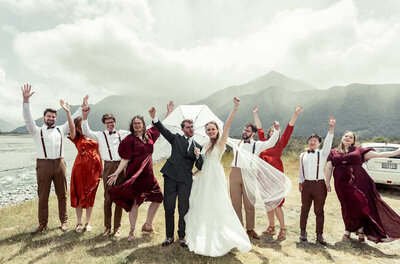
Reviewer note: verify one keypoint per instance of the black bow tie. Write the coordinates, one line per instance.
(50, 127)
(246, 141)
(310, 151)
(112, 132)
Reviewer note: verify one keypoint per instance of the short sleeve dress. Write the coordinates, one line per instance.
(140, 183)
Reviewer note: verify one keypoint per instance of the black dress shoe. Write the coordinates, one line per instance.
(303, 235)
(168, 241)
(38, 229)
(321, 240)
(182, 242)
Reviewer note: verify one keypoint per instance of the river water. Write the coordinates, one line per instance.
(18, 167)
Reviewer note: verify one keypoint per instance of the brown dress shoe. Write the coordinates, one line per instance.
(38, 229)
(117, 233)
(321, 240)
(64, 227)
(303, 235)
(107, 232)
(253, 234)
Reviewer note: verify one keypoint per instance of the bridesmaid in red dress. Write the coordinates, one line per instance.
(273, 157)
(86, 172)
(140, 186)
(363, 210)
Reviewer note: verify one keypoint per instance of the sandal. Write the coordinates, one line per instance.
(147, 231)
(346, 236)
(88, 227)
(361, 237)
(282, 234)
(131, 235)
(270, 231)
(79, 228)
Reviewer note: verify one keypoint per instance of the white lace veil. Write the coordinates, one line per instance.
(263, 183)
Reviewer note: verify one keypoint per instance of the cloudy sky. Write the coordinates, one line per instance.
(188, 49)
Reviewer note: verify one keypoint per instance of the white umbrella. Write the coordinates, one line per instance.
(200, 114)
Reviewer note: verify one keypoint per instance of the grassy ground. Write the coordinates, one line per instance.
(54, 246)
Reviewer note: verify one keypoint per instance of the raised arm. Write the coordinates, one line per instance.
(170, 109)
(297, 112)
(29, 122)
(160, 127)
(328, 175)
(85, 125)
(374, 154)
(329, 138)
(272, 140)
(256, 118)
(65, 106)
(224, 137)
(65, 127)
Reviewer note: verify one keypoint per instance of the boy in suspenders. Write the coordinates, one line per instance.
(236, 186)
(311, 181)
(109, 141)
(50, 164)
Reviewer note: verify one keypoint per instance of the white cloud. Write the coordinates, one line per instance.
(107, 47)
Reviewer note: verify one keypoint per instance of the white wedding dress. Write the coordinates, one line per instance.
(212, 226)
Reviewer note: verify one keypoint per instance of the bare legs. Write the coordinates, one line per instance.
(79, 213)
(133, 214)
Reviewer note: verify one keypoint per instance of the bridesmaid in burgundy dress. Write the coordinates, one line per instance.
(363, 210)
(140, 184)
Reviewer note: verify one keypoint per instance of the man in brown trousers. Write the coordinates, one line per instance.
(108, 140)
(236, 186)
(50, 164)
(311, 181)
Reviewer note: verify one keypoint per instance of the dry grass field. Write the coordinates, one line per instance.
(54, 246)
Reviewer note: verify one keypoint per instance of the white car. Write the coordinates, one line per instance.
(383, 170)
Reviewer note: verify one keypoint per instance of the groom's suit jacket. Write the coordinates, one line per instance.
(180, 164)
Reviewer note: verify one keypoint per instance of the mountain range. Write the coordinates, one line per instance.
(368, 109)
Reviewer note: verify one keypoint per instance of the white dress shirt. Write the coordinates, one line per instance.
(52, 137)
(113, 141)
(260, 146)
(309, 161)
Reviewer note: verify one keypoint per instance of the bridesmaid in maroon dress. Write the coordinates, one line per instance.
(86, 172)
(273, 157)
(140, 185)
(363, 210)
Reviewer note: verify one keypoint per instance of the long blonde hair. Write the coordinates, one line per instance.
(341, 148)
(213, 141)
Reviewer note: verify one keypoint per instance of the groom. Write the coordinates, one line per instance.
(177, 173)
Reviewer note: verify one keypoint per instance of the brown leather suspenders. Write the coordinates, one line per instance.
(43, 145)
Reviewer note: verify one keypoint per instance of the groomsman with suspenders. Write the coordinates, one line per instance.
(50, 164)
(236, 186)
(311, 181)
(109, 141)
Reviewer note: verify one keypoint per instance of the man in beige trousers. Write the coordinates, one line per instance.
(236, 186)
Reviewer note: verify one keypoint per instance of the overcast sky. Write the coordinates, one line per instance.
(188, 49)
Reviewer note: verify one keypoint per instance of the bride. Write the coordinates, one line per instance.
(212, 226)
